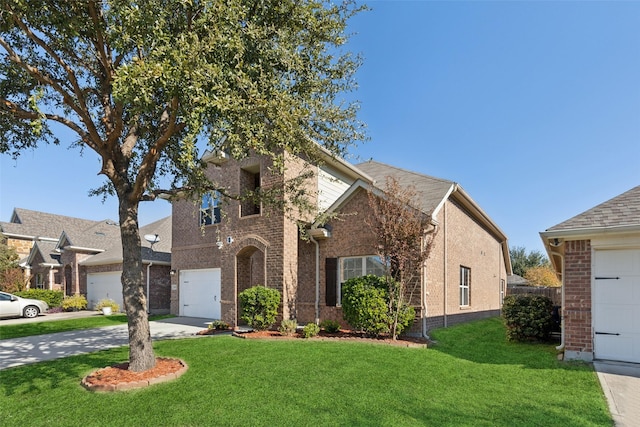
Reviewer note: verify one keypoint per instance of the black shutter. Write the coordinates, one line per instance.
(331, 279)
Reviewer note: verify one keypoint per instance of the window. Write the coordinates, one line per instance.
(210, 209)
(250, 188)
(465, 286)
(355, 267)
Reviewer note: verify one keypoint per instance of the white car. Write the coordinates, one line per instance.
(15, 306)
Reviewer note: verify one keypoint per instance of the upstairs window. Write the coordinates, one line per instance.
(250, 187)
(465, 286)
(210, 209)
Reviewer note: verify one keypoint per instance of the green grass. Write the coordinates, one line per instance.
(52, 326)
(472, 377)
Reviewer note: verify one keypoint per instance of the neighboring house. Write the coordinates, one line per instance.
(220, 249)
(597, 256)
(515, 280)
(79, 256)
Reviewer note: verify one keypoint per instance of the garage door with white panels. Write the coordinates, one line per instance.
(616, 305)
(104, 286)
(200, 293)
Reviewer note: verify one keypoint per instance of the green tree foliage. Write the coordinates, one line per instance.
(259, 306)
(12, 279)
(145, 84)
(521, 261)
(368, 307)
(527, 317)
(8, 255)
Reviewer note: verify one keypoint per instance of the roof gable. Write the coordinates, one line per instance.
(620, 211)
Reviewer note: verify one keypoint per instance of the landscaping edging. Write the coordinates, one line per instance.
(267, 335)
(91, 386)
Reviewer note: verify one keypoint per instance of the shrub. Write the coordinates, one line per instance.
(364, 304)
(259, 306)
(288, 327)
(310, 330)
(219, 325)
(53, 298)
(527, 317)
(330, 326)
(74, 303)
(107, 302)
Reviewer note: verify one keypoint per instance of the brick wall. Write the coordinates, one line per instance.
(577, 297)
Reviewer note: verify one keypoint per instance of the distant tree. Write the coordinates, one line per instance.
(521, 261)
(542, 275)
(146, 83)
(12, 278)
(404, 239)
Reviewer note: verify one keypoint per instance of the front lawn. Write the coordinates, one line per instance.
(472, 377)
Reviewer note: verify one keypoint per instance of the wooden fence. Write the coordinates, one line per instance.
(555, 294)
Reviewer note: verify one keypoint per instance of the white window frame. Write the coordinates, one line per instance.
(360, 268)
(465, 286)
(210, 209)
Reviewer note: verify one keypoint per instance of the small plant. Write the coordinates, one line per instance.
(288, 327)
(260, 306)
(107, 302)
(310, 330)
(219, 325)
(330, 326)
(74, 303)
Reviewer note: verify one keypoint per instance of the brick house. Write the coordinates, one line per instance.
(221, 248)
(79, 256)
(597, 256)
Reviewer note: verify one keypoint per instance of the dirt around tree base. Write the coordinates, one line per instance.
(342, 335)
(118, 377)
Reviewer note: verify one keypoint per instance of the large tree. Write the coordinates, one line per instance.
(146, 84)
(521, 261)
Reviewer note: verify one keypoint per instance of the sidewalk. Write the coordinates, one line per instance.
(22, 351)
(621, 386)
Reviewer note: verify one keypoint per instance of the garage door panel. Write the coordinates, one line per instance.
(200, 293)
(104, 286)
(616, 305)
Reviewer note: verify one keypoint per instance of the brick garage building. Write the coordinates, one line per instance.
(597, 256)
(223, 247)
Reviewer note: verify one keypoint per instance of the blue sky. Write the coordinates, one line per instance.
(533, 107)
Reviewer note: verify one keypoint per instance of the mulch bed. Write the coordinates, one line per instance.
(342, 335)
(119, 377)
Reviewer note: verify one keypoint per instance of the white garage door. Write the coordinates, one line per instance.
(102, 286)
(200, 293)
(616, 302)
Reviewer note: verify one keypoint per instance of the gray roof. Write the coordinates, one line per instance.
(430, 191)
(33, 224)
(47, 251)
(621, 211)
(161, 251)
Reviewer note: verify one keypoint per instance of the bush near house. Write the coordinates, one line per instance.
(259, 306)
(528, 317)
(366, 306)
(74, 303)
(53, 298)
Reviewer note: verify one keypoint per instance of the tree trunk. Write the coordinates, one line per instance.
(141, 355)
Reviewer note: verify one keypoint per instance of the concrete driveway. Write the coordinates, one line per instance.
(21, 351)
(621, 385)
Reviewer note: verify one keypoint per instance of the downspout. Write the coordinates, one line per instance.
(446, 276)
(317, 303)
(561, 346)
(148, 294)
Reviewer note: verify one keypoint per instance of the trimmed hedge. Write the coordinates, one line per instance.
(53, 298)
(528, 317)
(366, 306)
(259, 306)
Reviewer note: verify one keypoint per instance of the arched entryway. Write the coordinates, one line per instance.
(250, 271)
